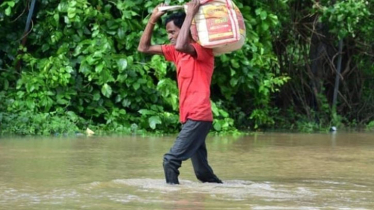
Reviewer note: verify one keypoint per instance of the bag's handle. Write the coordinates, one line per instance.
(171, 8)
(178, 7)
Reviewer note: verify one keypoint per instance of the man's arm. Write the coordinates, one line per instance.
(183, 41)
(145, 45)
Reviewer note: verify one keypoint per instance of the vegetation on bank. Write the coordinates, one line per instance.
(71, 64)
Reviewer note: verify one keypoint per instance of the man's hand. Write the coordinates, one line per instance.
(145, 45)
(193, 7)
(156, 13)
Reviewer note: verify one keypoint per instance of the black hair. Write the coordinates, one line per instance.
(177, 18)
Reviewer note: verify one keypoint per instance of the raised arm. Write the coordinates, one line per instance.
(145, 45)
(183, 43)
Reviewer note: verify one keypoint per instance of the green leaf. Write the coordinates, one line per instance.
(99, 68)
(233, 82)
(224, 114)
(245, 62)
(106, 90)
(96, 96)
(11, 3)
(235, 63)
(233, 72)
(73, 3)
(121, 33)
(217, 125)
(153, 121)
(122, 64)
(258, 11)
(71, 13)
(8, 11)
(6, 85)
(136, 86)
(263, 15)
(62, 101)
(264, 26)
(340, 17)
(62, 7)
(84, 68)
(30, 104)
(30, 87)
(126, 103)
(215, 109)
(146, 112)
(118, 98)
(72, 115)
(45, 47)
(56, 17)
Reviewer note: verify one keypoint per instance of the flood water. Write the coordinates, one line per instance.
(275, 171)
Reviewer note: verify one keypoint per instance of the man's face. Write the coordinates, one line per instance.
(172, 31)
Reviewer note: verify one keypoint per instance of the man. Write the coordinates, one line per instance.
(194, 72)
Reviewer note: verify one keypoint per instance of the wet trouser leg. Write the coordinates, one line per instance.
(203, 171)
(190, 143)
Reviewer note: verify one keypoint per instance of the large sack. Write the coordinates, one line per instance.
(219, 25)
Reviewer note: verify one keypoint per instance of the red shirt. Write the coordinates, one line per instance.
(194, 77)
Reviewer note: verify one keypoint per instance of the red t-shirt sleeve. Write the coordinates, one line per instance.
(169, 52)
(203, 54)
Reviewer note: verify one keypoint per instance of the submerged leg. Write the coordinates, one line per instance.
(171, 166)
(189, 140)
(203, 171)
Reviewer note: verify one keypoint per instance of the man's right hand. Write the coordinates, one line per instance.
(145, 45)
(193, 7)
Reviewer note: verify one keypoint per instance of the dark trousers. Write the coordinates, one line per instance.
(190, 143)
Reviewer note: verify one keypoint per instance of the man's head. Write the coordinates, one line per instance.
(173, 24)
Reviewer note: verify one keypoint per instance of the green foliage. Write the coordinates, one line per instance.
(247, 78)
(80, 57)
(29, 123)
(223, 121)
(8, 6)
(308, 50)
(346, 18)
(79, 66)
(370, 126)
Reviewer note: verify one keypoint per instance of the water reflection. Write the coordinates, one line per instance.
(262, 171)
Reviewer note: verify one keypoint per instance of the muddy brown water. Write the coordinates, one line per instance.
(275, 171)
